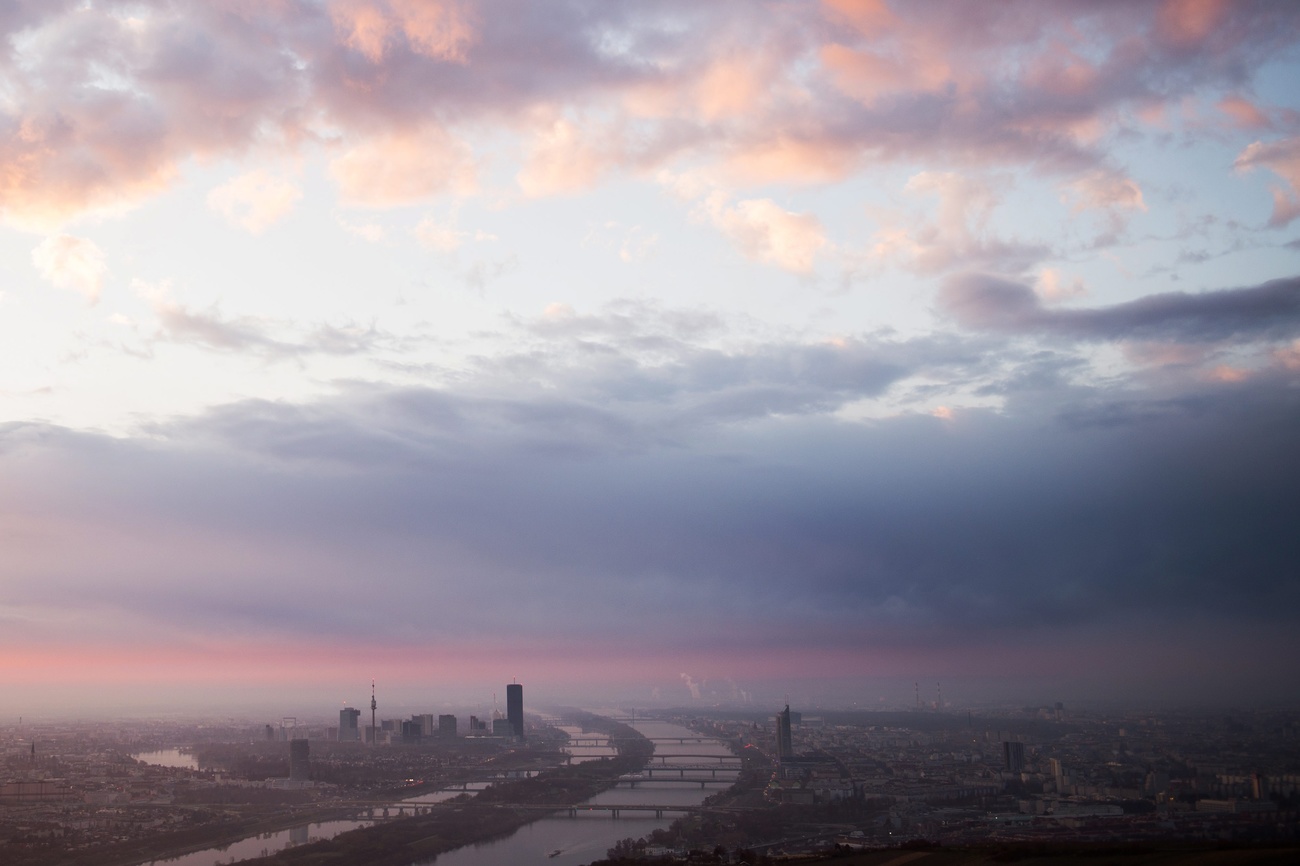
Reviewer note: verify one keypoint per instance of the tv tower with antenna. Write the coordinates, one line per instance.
(374, 730)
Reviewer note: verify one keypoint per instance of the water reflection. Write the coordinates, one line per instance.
(263, 844)
(587, 746)
(169, 758)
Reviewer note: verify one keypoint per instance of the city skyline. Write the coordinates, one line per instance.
(664, 353)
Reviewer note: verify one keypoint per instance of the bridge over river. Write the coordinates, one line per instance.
(663, 758)
(593, 741)
(613, 811)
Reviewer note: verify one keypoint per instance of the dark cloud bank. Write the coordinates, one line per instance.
(713, 505)
(1268, 311)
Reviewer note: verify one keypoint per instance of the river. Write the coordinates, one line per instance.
(169, 758)
(578, 840)
(587, 837)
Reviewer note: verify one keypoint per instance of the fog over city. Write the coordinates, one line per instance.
(662, 354)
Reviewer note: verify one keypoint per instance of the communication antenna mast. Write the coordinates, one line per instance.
(939, 690)
(374, 730)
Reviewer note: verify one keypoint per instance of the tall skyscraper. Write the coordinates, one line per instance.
(412, 730)
(1014, 755)
(784, 741)
(515, 709)
(447, 726)
(349, 732)
(299, 760)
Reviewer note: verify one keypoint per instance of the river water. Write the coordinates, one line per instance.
(169, 758)
(587, 837)
(579, 840)
(263, 844)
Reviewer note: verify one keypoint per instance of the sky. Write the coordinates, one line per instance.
(662, 351)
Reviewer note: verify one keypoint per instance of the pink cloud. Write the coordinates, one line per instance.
(958, 233)
(1189, 22)
(758, 93)
(1106, 191)
(868, 17)
(1244, 113)
(768, 233)
(563, 157)
(438, 30)
(72, 263)
(404, 167)
(1054, 286)
(732, 86)
(1282, 157)
(254, 200)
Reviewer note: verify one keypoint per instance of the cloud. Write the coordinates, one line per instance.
(1104, 190)
(631, 324)
(105, 109)
(1244, 113)
(1109, 193)
(72, 263)
(1269, 311)
(959, 234)
(563, 158)
(436, 29)
(1018, 82)
(959, 533)
(212, 330)
(1052, 286)
(446, 237)
(634, 463)
(254, 200)
(1190, 22)
(766, 232)
(403, 168)
(1282, 157)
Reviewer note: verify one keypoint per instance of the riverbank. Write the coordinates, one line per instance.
(496, 812)
(178, 843)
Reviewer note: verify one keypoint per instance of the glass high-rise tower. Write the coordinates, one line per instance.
(515, 709)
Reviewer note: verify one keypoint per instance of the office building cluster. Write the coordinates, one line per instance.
(422, 726)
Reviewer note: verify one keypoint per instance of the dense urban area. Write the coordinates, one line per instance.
(797, 785)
